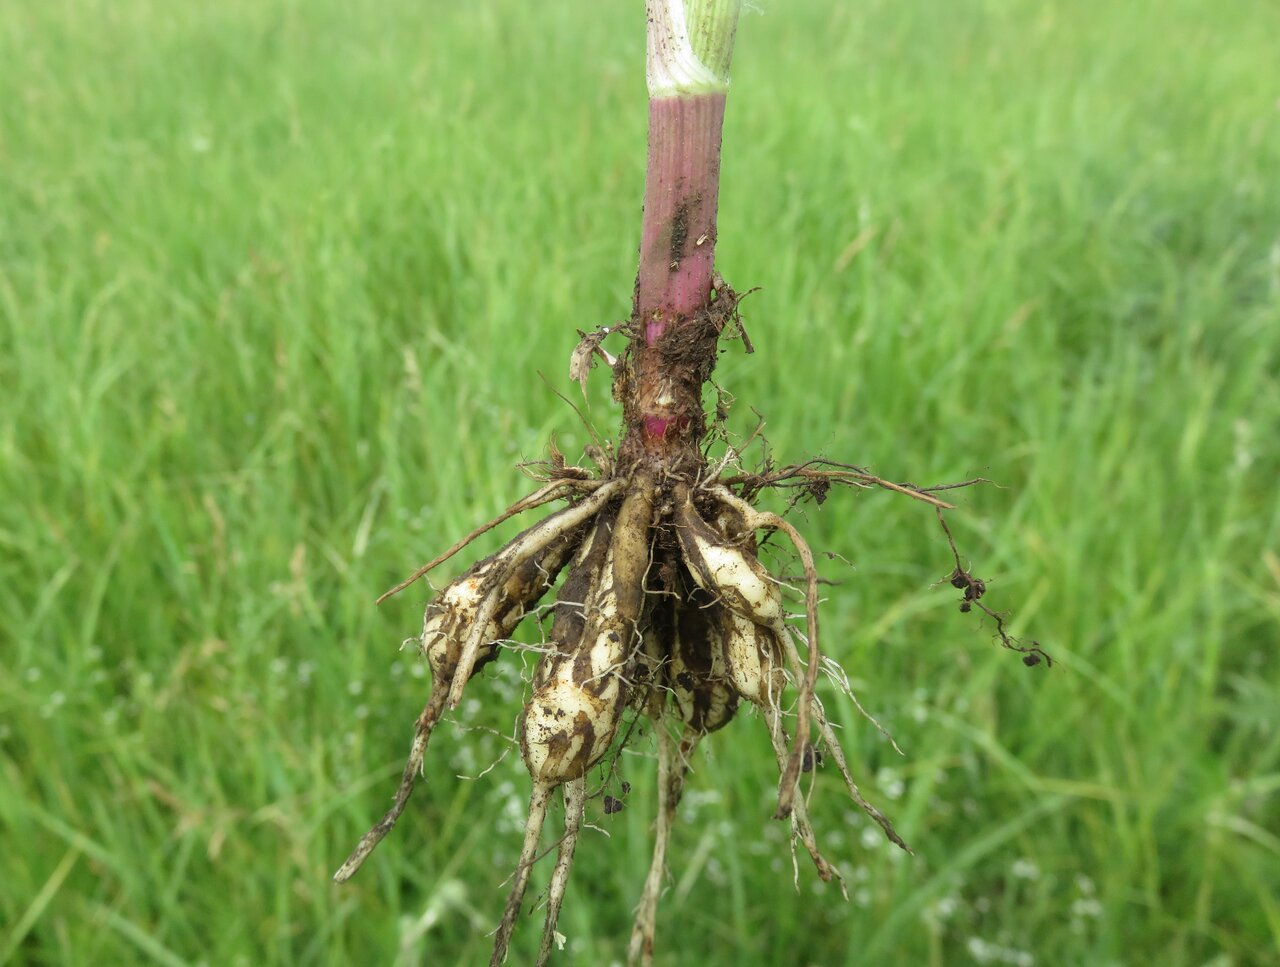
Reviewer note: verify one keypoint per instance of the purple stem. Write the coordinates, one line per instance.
(678, 235)
(682, 183)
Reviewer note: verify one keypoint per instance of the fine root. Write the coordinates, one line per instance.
(671, 767)
(833, 747)
(972, 589)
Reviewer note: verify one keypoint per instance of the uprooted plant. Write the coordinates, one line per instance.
(665, 611)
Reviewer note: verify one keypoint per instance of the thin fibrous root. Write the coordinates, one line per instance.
(799, 813)
(974, 588)
(516, 551)
(829, 737)
(575, 796)
(757, 520)
(809, 703)
(413, 765)
(544, 495)
(804, 475)
(538, 800)
(840, 679)
(671, 769)
(833, 746)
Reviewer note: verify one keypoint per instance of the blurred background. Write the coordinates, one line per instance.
(288, 288)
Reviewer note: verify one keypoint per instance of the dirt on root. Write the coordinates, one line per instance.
(665, 381)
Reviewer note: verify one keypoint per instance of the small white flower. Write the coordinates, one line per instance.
(1024, 869)
(978, 949)
(892, 786)
(1086, 907)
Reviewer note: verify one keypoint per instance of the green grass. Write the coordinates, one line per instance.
(277, 282)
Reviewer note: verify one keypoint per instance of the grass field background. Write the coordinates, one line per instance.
(278, 279)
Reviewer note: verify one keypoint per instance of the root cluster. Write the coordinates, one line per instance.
(666, 612)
